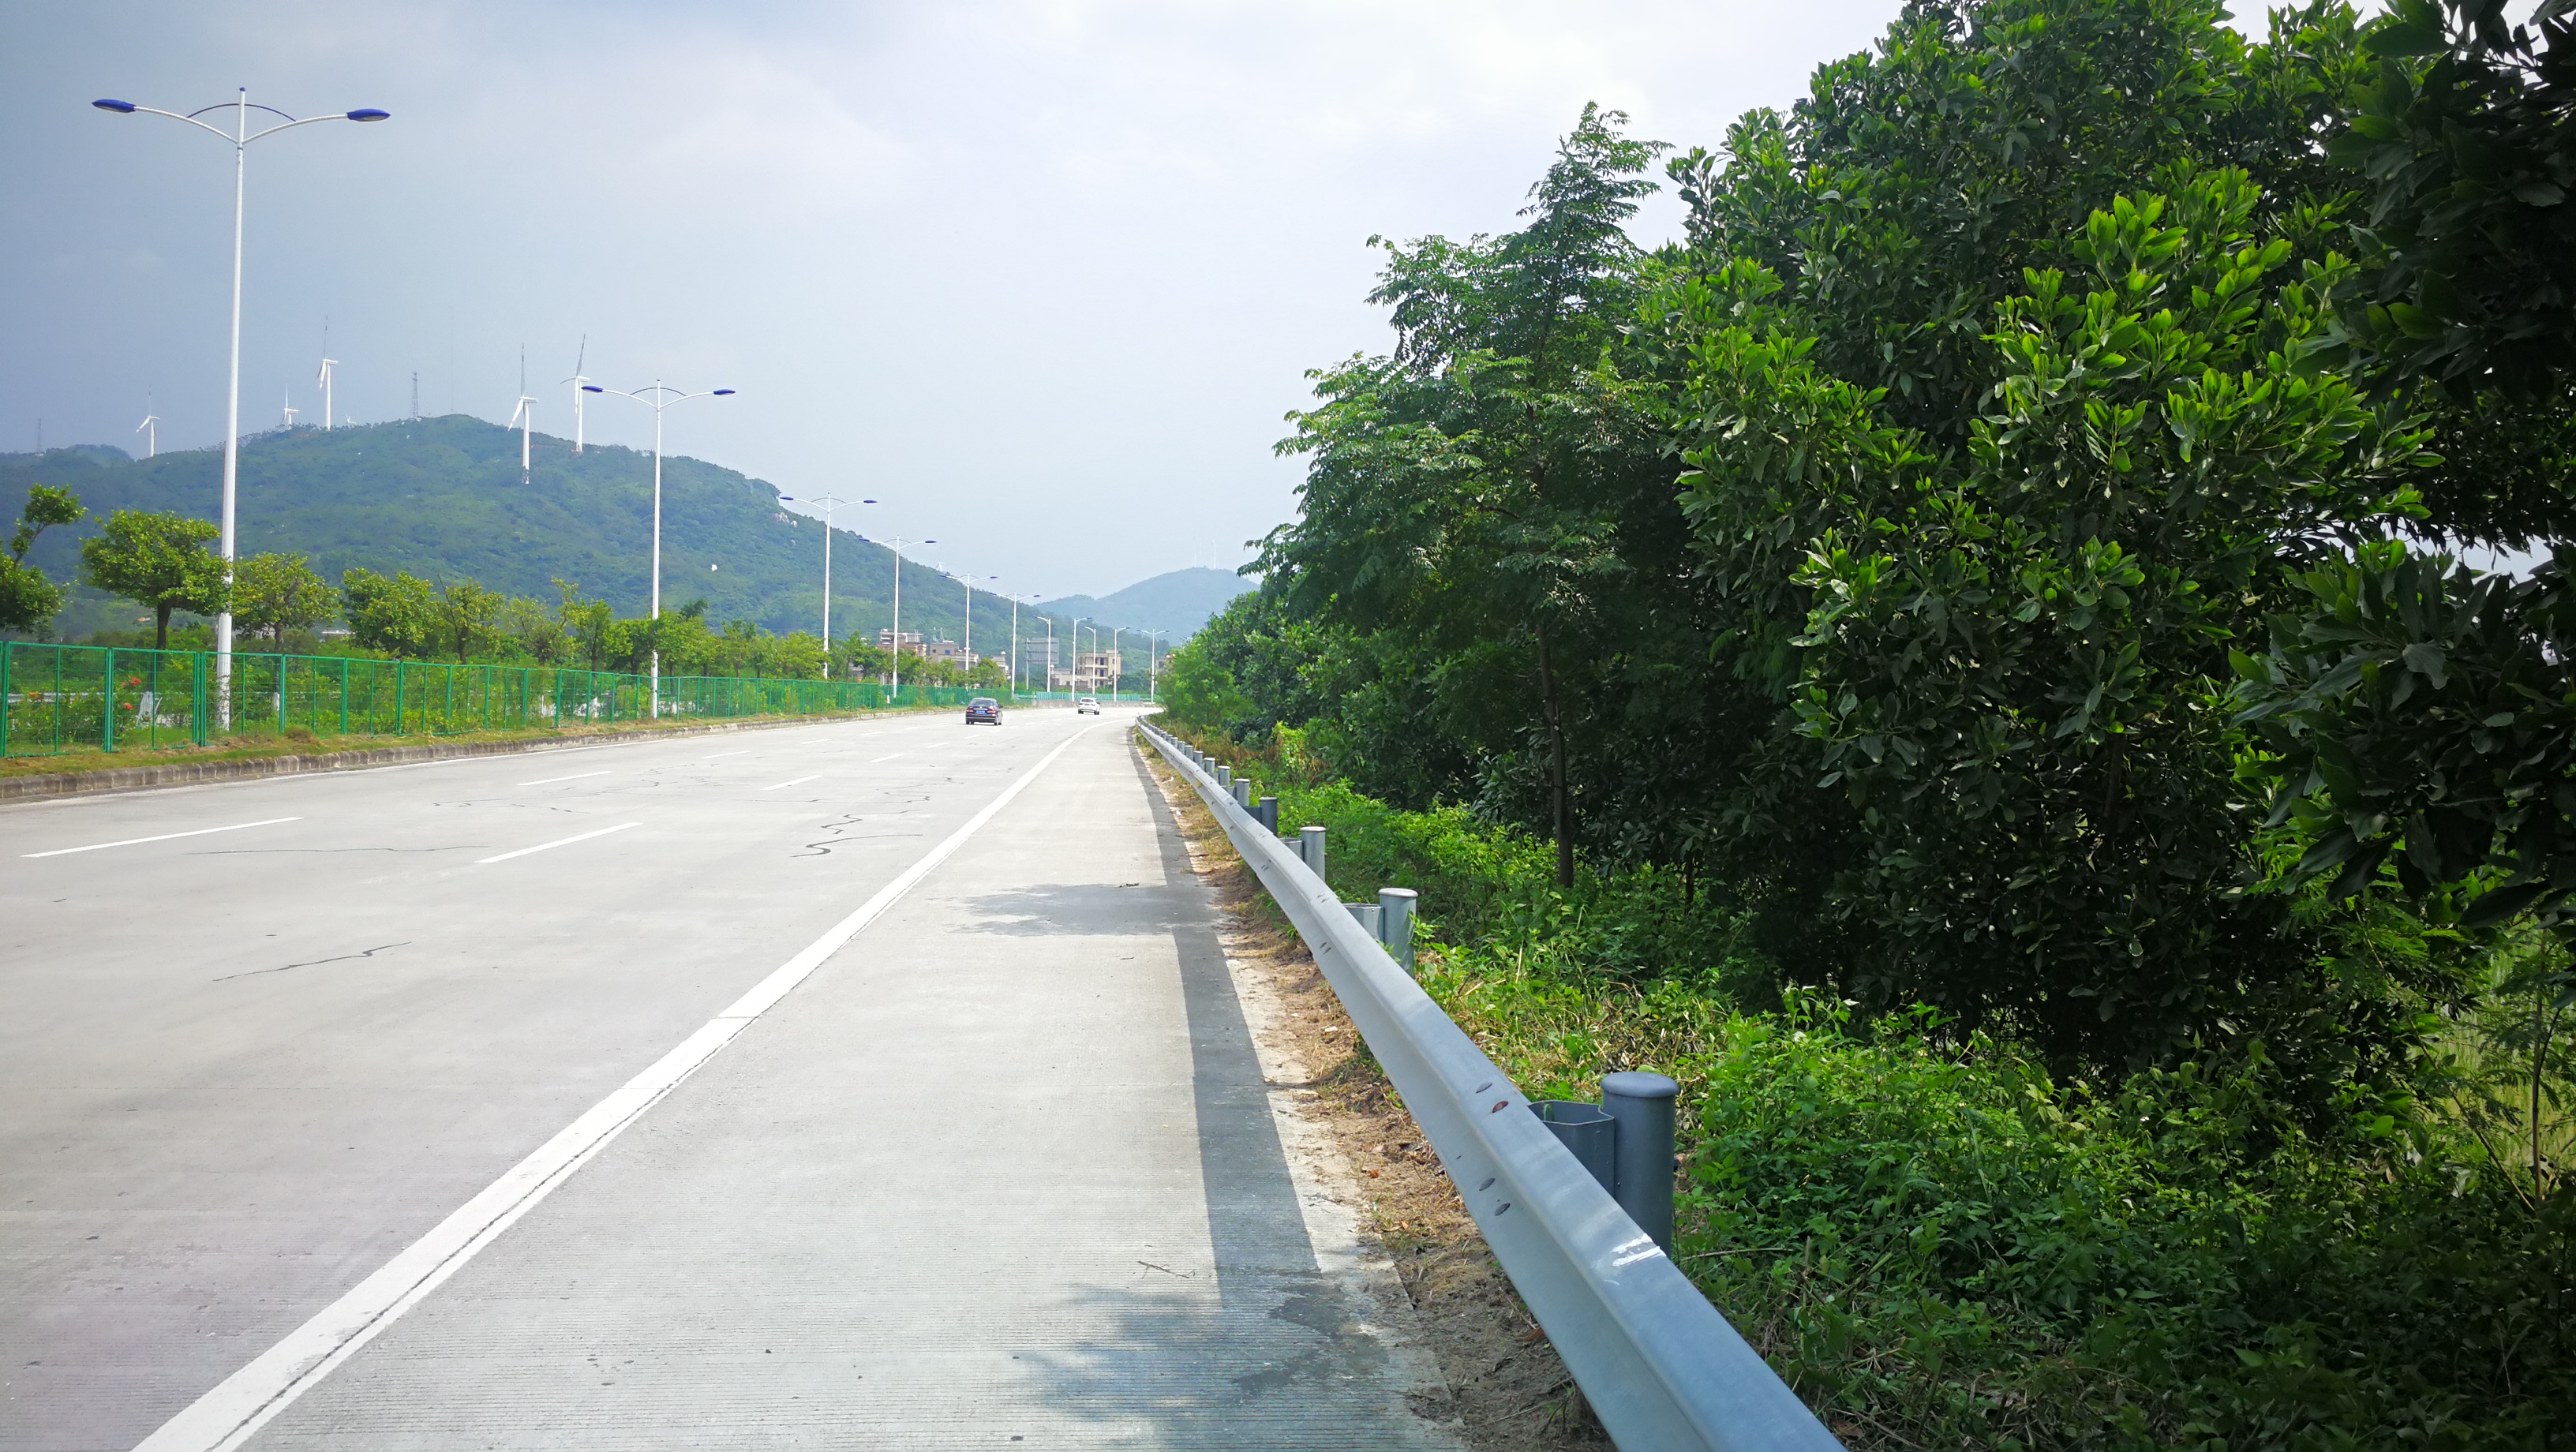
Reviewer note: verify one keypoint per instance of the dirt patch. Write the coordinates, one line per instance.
(1508, 1390)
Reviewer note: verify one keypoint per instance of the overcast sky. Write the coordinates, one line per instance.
(1042, 277)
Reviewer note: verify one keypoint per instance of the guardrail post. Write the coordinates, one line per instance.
(1243, 792)
(1267, 809)
(1588, 1131)
(1642, 1104)
(1225, 778)
(1395, 923)
(1366, 915)
(1310, 845)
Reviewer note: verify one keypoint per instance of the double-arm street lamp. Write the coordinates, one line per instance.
(829, 502)
(895, 679)
(657, 398)
(241, 137)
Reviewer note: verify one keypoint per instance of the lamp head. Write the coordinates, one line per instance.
(368, 113)
(867, 501)
(592, 388)
(122, 108)
(724, 392)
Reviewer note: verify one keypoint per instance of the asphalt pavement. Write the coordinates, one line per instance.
(870, 1084)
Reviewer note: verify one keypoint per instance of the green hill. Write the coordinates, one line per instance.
(443, 498)
(1176, 604)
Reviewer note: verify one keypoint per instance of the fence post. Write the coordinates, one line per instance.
(5, 653)
(344, 695)
(107, 703)
(1642, 1104)
(1395, 923)
(197, 706)
(1310, 845)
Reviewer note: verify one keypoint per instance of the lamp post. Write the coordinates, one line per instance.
(968, 644)
(895, 678)
(830, 502)
(1050, 665)
(241, 138)
(1118, 669)
(658, 398)
(1153, 640)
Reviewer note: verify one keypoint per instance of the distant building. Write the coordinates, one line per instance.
(1094, 673)
(911, 642)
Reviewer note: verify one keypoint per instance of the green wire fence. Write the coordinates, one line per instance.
(57, 699)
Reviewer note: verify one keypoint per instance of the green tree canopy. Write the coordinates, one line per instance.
(394, 614)
(27, 599)
(161, 562)
(281, 592)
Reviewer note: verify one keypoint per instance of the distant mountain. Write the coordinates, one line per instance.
(443, 498)
(1177, 603)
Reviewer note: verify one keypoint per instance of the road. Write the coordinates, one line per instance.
(873, 1084)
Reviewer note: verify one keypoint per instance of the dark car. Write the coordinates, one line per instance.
(984, 708)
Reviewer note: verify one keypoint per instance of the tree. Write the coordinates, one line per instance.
(535, 630)
(1464, 492)
(278, 593)
(589, 623)
(395, 615)
(159, 561)
(27, 598)
(2473, 156)
(1199, 692)
(2424, 714)
(462, 617)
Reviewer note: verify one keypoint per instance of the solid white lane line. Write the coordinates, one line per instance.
(561, 842)
(238, 1406)
(884, 759)
(746, 751)
(800, 781)
(164, 837)
(576, 776)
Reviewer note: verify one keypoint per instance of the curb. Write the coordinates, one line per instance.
(52, 786)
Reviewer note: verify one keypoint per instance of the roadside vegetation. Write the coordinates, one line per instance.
(166, 563)
(1965, 659)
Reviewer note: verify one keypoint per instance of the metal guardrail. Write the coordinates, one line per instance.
(1661, 1368)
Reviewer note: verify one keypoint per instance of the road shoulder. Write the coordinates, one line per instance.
(1368, 1179)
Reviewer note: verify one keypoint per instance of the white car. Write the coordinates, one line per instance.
(1086, 703)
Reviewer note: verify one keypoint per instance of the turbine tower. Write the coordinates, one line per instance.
(324, 377)
(289, 394)
(524, 417)
(577, 379)
(151, 434)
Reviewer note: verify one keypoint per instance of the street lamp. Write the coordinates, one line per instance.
(968, 644)
(1153, 641)
(241, 138)
(829, 502)
(895, 678)
(659, 399)
(1117, 670)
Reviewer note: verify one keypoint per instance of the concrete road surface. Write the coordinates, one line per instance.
(876, 1084)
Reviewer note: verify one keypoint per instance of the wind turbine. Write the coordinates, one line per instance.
(324, 378)
(151, 435)
(524, 417)
(289, 393)
(577, 379)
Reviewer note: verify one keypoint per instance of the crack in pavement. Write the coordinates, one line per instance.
(316, 963)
